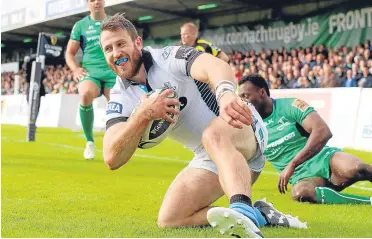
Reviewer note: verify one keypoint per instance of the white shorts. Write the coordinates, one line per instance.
(257, 163)
(202, 160)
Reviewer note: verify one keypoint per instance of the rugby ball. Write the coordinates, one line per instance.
(157, 130)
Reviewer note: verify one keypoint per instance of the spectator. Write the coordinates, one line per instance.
(366, 79)
(349, 80)
(340, 77)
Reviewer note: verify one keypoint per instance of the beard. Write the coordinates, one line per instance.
(135, 62)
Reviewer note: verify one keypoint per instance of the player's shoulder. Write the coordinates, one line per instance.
(292, 102)
(83, 21)
(168, 54)
(203, 41)
(161, 52)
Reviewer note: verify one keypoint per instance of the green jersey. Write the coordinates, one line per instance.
(286, 135)
(87, 32)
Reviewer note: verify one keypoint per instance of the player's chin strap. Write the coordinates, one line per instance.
(223, 87)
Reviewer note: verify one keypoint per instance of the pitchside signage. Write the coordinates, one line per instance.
(51, 45)
(340, 27)
(13, 19)
(55, 8)
(34, 100)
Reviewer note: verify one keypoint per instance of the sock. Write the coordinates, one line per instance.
(329, 196)
(243, 204)
(87, 119)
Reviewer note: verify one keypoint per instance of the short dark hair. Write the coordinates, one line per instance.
(257, 81)
(118, 21)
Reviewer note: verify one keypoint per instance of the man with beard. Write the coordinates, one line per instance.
(225, 134)
(94, 75)
(297, 148)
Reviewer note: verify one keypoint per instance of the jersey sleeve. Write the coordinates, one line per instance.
(118, 109)
(177, 59)
(215, 50)
(208, 47)
(75, 32)
(297, 109)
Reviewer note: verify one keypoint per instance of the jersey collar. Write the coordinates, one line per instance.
(148, 63)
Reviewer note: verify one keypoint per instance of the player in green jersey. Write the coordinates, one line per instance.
(94, 75)
(297, 148)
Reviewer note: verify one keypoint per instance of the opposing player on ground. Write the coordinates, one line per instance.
(94, 75)
(190, 37)
(298, 148)
(229, 139)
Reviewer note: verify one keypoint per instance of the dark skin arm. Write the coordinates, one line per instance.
(319, 136)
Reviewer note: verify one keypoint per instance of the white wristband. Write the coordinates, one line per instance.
(223, 87)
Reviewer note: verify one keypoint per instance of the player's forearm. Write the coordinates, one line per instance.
(220, 71)
(315, 143)
(120, 145)
(71, 61)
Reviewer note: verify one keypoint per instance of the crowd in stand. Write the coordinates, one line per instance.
(310, 67)
(56, 79)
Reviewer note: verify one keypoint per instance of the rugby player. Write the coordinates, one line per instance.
(219, 126)
(94, 75)
(190, 37)
(298, 149)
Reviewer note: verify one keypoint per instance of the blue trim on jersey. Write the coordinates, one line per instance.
(83, 43)
(143, 87)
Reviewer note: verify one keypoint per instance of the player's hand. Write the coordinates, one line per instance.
(284, 177)
(79, 73)
(158, 107)
(235, 111)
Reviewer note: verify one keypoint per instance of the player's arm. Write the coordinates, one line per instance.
(217, 52)
(223, 56)
(73, 46)
(190, 64)
(320, 134)
(121, 139)
(209, 69)
(123, 132)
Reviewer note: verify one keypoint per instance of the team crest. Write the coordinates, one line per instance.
(53, 39)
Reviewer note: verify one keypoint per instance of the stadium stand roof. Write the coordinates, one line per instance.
(163, 12)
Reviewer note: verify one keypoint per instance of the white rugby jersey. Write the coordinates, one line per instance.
(169, 67)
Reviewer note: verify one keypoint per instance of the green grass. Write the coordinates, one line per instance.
(49, 190)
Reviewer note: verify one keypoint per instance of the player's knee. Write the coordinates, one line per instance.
(165, 221)
(364, 171)
(304, 193)
(212, 136)
(86, 97)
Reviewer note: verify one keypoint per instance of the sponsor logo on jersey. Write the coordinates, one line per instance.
(269, 122)
(300, 104)
(281, 140)
(185, 52)
(183, 102)
(114, 107)
(283, 122)
(169, 86)
(166, 52)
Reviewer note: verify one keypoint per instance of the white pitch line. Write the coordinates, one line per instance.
(153, 157)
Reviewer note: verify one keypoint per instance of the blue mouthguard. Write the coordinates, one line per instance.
(118, 62)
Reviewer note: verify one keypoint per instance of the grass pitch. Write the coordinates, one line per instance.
(49, 190)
